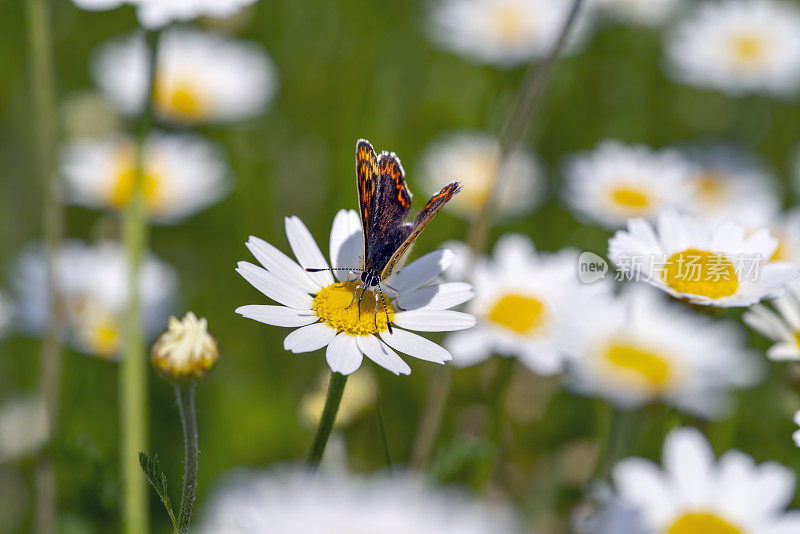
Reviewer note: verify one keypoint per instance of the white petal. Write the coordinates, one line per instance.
(416, 346)
(346, 242)
(274, 287)
(277, 315)
(437, 297)
(420, 272)
(343, 355)
(470, 347)
(784, 351)
(425, 320)
(689, 459)
(309, 338)
(280, 264)
(306, 251)
(379, 353)
(640, 482)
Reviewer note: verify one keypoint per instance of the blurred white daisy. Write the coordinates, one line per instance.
(201, 77)
(183, 174)
(472, 158)
(695, 493)
(504, 33)
(319, 302)
(712, 265)
(644, 12)
(786, 228)
(359, 395)
(796, 435)
(521, 298)
(158, 13)
(92, 279)
(615, 182)
(726, 185)
(23, 427)
(738, 46)
(639, 347)
(780, 323)
(291, 501)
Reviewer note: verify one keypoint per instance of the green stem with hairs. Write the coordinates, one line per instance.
(44, 100)
(328, 418)
(185, 396)
(133, 370)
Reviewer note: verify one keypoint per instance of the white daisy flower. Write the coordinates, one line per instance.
(644, 12)
(93, 281)
(738, 47)
(504, 33)
(521, 298)
(721, 265)
(726, 185)
(183, 174)
(786, 228)
(696, 493)
(615, 182)
(23, 427)
(201, 77)
(640, 348)
(474, 158)
(781, 323)
(158, 13)
(319, 302)
(291, 501)
(796, 435)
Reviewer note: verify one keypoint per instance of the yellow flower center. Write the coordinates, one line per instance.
(122, 190)
(710, 187)
(639, 364)
(102, 337)
(520, 313)
(334, 305)
(179, 99)
(509, 24)
(782, 251)
(702, 523)
(700, 272)
(748, 49)
(630, 199)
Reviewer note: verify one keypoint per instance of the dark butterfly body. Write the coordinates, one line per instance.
(384, 204)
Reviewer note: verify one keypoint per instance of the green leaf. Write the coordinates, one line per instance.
(157, 479)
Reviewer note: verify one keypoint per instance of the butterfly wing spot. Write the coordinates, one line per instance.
(367, 175)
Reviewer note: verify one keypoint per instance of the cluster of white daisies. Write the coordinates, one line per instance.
(734, 46)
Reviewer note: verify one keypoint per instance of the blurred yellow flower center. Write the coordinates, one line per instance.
(641, 364)
(748, 49)
(710, 187)
(122, 190)
(700, 272)
(630, 199)
(179, 99)
(702, 523)
(333, 306)
(781, 251)
(103, 338)
(509, 23)
(520, 313)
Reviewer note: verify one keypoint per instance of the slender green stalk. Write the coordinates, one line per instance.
(384, 436)
(328, 418)
(44, 95)
(185, 396)
(529, 94)
(133, 371)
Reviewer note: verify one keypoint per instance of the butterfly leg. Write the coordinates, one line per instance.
(363, 290)
(396, 297)
(355, 292)
(375, 316)
(385, 310)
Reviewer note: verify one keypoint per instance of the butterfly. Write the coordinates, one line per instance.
(384, 204)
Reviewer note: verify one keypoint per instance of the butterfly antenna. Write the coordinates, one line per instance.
(313, 270)
(385, 310)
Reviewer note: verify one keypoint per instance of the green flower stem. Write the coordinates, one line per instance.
(529, 94)
(44, 100)
(185, 396)
(133, 370)
(334, 397)
(497, 418)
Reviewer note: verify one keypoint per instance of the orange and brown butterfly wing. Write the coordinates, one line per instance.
(368, 175)
(425, 215)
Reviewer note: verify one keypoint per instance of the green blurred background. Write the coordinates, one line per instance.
(351, 69)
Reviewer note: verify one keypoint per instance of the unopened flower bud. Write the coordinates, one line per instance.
(186, 351)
